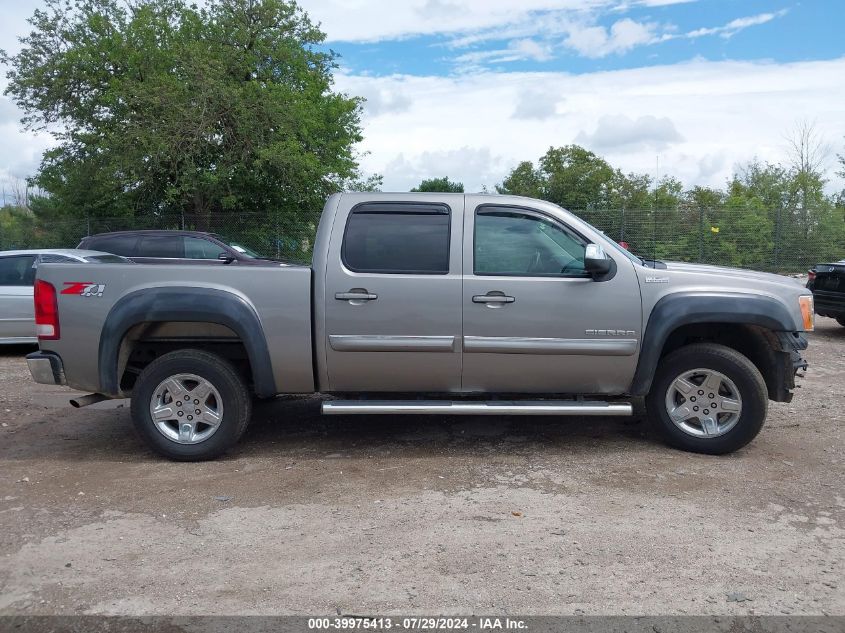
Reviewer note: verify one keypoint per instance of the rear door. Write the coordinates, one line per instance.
(17, 276)
(393, 295)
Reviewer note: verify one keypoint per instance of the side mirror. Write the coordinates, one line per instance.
(226, 258)
(596, 261)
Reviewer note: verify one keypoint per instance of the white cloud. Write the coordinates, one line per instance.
(621, 133)
(537, 104)
(735, 26)
(20, 151)
(413, 168)
(722, 113)
(517, 50)
(372, 20)
(623, 35)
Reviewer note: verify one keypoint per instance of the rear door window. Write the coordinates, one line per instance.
(161, 246)
(17, 270)
(397, 238)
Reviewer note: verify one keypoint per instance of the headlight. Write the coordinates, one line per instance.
(807, 313)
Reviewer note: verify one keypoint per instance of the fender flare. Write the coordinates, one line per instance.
(685, 308)
(176, 303)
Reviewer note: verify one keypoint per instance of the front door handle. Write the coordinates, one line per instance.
(490, 298)
(356, 296)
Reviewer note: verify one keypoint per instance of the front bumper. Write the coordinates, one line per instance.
(46, 368)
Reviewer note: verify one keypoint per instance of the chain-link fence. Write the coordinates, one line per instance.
(775, 240)
(289, 237)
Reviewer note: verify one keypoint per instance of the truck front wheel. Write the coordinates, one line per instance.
(707, 398)
(190, 405)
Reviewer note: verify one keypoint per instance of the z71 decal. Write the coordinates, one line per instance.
(83, 289)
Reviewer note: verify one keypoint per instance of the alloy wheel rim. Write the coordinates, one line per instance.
(186, 408)
(704, 403)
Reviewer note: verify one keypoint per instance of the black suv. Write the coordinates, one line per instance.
(827, 282)
(168, 247)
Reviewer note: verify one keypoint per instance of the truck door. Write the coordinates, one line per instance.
(393, 294)
(534, 320)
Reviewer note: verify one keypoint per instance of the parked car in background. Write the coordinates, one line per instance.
(827, 283)
(17, 275)
(165, 247)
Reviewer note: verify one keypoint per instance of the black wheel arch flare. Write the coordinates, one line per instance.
(686, 308)
(175, 303)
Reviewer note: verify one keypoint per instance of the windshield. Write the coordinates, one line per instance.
(243, 250)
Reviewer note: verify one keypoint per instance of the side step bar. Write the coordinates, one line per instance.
(494, 407)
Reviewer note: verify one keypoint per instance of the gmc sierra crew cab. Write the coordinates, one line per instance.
(429, 303)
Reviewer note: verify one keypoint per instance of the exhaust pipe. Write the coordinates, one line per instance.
(84, 401)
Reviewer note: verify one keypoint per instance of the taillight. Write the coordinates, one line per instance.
(46, 311)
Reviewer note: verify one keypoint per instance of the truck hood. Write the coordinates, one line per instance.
(732, 273)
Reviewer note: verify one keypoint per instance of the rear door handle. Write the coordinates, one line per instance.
(356, 296)
(492, 299)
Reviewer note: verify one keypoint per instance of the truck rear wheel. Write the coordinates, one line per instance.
(190, 405)
(707, 398)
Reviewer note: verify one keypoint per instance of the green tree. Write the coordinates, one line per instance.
(741, 232)
(161, 106)
(571, 176)
(698, 209)
(443, 185)
(523, 180)
(17, 228)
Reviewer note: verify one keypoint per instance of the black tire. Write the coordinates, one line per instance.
(235, 396)
(841, 321)
(744, 374)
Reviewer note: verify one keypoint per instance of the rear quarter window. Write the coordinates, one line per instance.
(18, 270)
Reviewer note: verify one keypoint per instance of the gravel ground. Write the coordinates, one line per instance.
(422, 514)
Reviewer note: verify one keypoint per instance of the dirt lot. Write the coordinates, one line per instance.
(422, 514)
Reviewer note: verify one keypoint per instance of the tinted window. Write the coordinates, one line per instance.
(106, 259)
(117, 244)
(164, 246)
(198, 248)
(398, 239)
(17, 271)
(52, 258)
(517, 243)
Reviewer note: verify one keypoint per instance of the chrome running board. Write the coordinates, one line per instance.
(494, 407)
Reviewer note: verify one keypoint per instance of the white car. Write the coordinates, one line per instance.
(17, 275)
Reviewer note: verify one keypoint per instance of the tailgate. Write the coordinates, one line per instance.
(830, 277)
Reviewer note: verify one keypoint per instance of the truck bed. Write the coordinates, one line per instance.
(280, 297)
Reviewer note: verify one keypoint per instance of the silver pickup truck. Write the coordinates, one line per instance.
(429, 303)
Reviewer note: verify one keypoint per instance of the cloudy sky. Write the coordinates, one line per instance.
(468, 88)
